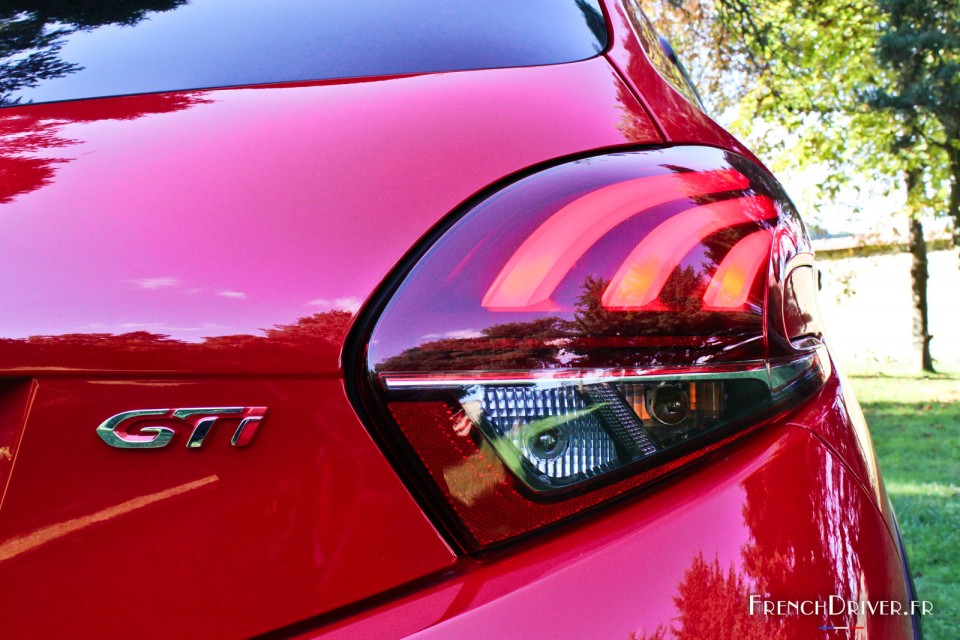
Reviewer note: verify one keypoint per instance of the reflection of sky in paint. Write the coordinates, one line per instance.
(213, 43)
(158, 266)
(162, 220)
(163, 252)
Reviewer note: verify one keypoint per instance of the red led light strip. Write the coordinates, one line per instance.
(730, 285)
(537, 267)
(642, 275)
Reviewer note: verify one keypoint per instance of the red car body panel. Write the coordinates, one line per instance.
(740, 524)
(218, 541)
(226, 213)
(678, 120)
(219, 214)
(211, 248)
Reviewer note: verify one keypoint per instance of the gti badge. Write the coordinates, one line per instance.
(152, 428)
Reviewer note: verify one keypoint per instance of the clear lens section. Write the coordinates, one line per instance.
(676, 411)
(557, 431)
(555, 436)
(554, 433)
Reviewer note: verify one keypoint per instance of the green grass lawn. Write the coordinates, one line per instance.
(915, 423)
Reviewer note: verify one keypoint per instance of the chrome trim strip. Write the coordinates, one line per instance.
(393, 383)
(757, 369)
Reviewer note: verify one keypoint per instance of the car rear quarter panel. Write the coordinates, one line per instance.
(218, 231)
(210, 248)
(678, 120)
(779, 516)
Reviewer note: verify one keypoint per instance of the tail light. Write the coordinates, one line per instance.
(589, 328)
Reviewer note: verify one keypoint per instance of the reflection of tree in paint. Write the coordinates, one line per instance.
(31, 36)
(327, 327)
(301, 343)
(29, 133)
(20, 171)
(32, 32)
(802, 535)
(595, 336)
(713, 604)
(801, 547)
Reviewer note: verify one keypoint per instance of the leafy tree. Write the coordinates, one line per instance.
(919, 45)
(804, 82)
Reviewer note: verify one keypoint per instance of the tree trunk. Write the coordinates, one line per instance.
(919, 275)
(954, 206)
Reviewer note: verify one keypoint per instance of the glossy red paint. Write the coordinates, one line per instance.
(677, 118)
(236, 231)
(211, 248)
(834, 416)
(715, 535)
(216, 542)
(15, 399)
(164, 235)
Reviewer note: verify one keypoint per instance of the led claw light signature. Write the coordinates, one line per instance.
(615, 315)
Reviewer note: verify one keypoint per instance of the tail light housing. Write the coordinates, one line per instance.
(588, 328)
